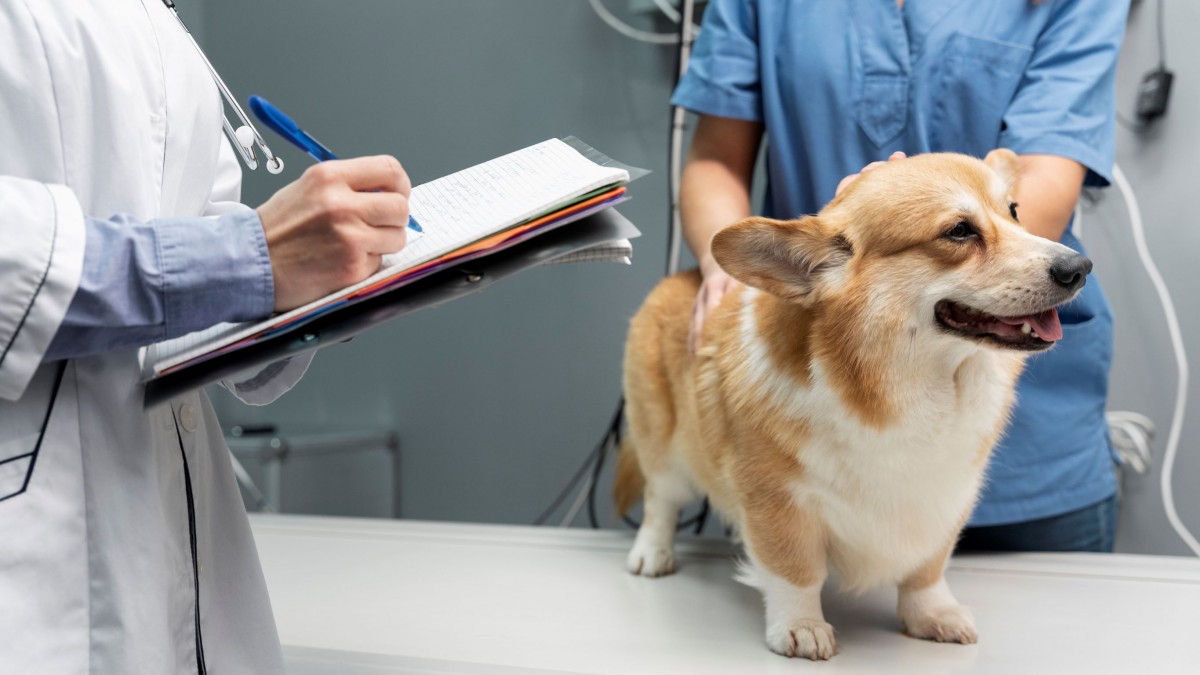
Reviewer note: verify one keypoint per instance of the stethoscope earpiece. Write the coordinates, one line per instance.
(245, 137)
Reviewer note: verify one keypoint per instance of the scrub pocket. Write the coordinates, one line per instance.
(975, 84)
(883, 107)
(1063, 392)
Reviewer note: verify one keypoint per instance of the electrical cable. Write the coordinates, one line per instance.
(571, 483)
(1131, 434)
(612, 442)
(629, 31)
(1132, 444)
(577, 506)
(1136, 127)
(668, 9)
(611, 437)
(701, 518)
(1162, 37)
(1177, 345)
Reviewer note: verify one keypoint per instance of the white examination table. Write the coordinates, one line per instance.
(379, 597)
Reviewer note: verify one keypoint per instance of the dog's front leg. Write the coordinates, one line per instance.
(787, 563)
(928, 609)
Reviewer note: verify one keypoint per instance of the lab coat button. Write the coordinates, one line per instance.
(187, 417)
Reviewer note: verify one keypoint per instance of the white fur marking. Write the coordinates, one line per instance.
(796, 624)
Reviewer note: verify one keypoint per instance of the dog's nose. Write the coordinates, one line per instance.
(1070, 271)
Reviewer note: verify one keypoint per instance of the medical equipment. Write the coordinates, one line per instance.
(246, 136)
(1155, 89)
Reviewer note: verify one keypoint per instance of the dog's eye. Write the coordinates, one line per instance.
(1012, 210)
(961, 231)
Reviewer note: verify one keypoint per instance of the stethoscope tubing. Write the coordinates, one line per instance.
(274, 164)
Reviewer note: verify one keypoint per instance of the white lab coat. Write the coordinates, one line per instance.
(105, 108)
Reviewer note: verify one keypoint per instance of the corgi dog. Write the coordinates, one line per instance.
(843, 403)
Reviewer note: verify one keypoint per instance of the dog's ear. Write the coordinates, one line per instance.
(1004, 162)
(787, 258)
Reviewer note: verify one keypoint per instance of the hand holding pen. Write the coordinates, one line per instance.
(283, 125)
(331, 228)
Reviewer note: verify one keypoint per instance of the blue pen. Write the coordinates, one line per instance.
(284, 126)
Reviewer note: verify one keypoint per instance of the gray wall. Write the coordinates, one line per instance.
(499, 397)
(192, 12)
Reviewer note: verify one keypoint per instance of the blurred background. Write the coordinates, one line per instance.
(484, 409)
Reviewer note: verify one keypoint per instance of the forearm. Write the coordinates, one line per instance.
(711, 199)
(715, 191)
(147, 282)
(1047, 193)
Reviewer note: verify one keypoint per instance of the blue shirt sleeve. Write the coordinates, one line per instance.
(1065, 104)
(722, 77)
(144, 282)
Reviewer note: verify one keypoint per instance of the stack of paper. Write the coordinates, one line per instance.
(465, 215)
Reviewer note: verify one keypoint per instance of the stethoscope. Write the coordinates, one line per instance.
(246, 136)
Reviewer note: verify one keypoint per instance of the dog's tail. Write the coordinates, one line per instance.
(629, 483)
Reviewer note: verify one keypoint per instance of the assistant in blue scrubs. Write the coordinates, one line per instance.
(837, 85)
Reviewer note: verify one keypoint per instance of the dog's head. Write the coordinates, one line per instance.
(929, 245)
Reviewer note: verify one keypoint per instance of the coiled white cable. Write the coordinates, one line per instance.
(629, 31)
(668, 9)
(1131, 435)
(1176, 335)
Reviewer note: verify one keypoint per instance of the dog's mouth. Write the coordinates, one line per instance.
(1032, 332)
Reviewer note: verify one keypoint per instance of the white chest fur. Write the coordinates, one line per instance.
(890, 498)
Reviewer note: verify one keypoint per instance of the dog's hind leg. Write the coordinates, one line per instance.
(653, 552)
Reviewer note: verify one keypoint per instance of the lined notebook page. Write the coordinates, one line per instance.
(454, 211)
(471, 204)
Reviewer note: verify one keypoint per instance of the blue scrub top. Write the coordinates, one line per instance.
(838, 85)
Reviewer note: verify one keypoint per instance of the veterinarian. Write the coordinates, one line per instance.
(124, 546)
(833, 86)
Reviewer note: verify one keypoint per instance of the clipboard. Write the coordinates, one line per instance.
(444, 285)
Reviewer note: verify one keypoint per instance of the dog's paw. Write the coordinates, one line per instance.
(807, 639)
(952, 623)
(650, 561)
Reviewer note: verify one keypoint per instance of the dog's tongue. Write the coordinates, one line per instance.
(1046, 324)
